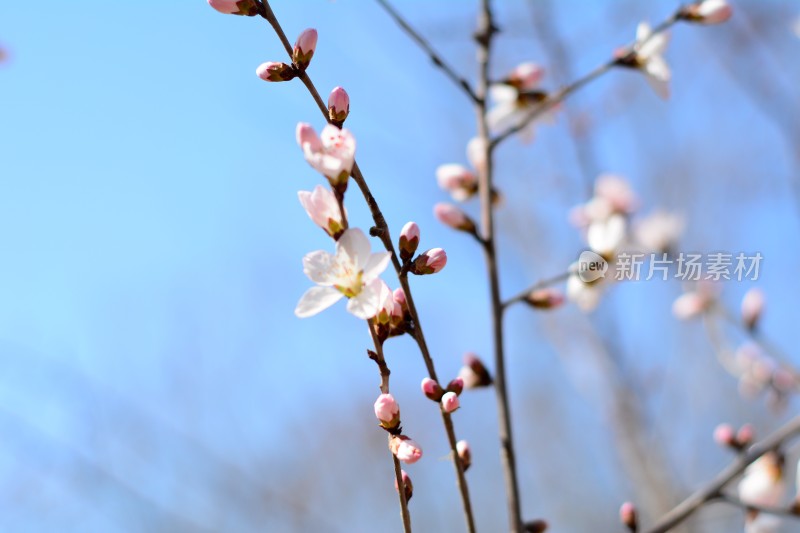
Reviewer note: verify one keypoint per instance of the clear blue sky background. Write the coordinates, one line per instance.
(152, 239)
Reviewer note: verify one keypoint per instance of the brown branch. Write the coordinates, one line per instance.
(521, 296)
(485, 33)
(713, 490)
(428, 49)
(381, 230)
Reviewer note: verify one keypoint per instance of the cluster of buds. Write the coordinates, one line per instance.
(429, 262)
(474, 374)
(447, 397)
(387, 411)
(302, 53)
(393, 318)
(727, 437)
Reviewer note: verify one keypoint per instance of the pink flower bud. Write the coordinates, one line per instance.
(338, 105)
(409, 241)
(458, 180)
(235, 7)
(405, 449)
(450, 402)
(617, 192)
(545, 298)
(304, 48)
(407, 485)
(387, 411)
(752, 307)
(323, 209)
(724, 436)
(474, 373)
(450, 215)
(386, 305)
(456, 385)
(628, 516)
(430, 262)
(526, 76)
(745, 435)
(707, 12)
(275, 71)
(431, 389)
(401, 307)
(464, 453)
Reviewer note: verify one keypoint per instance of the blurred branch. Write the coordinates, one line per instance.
(381, 230)
(713, 489)
(485, 33)
(428, 49)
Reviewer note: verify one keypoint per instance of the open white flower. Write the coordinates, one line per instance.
(351, 272)
(515, 98)
(649, 49)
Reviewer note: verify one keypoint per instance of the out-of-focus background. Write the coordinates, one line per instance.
(153, 376)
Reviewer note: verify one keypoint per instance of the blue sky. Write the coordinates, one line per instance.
(152, 238)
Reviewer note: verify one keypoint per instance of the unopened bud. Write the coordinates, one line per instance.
(752, 308)
(338, 105)
(725, 436)
(408, 487)
(450, 402)
(536, 526)
(464, 454)
(745, 435)
(474, 373)
(405, 449)
(399, 296)
(456, 385)
(409, 241)
(431, 389)
(707, 12)
(304, 48)
(525, 76)
(275, 71)
(545, 298)
(429, 262)
(387, 411)
(629, 517)
(458, 180)
(248, 8)
(450, 215)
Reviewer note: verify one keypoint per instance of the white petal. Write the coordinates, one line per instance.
(503, 94)
(504, 116)
(657, 75)
(316, 299)
(317, 266)
(376, 264)
(353, 248)
(367, 303)
(643, 31)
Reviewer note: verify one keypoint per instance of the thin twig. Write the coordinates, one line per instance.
(713, 489)
(485, 33)
(428, 49)
(383, 368)
(521, 296)
(381, 230)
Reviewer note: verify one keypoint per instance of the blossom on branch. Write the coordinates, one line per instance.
(275, 71)
(647, 56)
(707, 12)
(450, 402)
(405, 449)
(407, 485)
(464, 453)
(323, 209)
(514, 99)
(351, 272)
(338, 105)
(332, 153)
(387, 411)
(304, 48)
